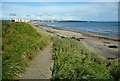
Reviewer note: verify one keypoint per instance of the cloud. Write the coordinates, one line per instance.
(12, 14)
(77, 11)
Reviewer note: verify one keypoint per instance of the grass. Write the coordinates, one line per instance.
(20, 43)
(71, 59)
(74, 61)
(0, 50)
(0, 33)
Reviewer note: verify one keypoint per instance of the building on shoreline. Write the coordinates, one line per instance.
(16, 20)
(21, 20)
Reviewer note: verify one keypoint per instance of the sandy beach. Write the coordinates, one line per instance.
(104, 45)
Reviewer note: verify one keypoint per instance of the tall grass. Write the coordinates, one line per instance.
(0, 35)
(74, 61)
(20, 43)
(0, 50)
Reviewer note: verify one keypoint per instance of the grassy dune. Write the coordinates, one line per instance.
(0, 50)
(0, 33)
(74, 61)
(20, 42)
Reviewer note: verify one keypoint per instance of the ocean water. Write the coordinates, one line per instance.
(107, 28)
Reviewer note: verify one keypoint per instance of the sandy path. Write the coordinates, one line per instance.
(41, 65)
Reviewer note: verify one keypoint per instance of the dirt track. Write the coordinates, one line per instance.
(41, 65)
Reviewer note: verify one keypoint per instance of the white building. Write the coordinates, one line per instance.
(22, 20)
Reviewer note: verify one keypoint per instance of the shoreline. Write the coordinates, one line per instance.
(105, 46)
(88, 33)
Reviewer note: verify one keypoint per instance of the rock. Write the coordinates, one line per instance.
(112, 46)
(78, 39)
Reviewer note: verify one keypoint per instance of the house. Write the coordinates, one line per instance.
(22, 20)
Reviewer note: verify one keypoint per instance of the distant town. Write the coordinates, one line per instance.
(28, 20)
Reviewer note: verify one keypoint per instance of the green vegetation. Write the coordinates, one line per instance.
(0, 33)
(113, 66)
(74, 61)
(0, 50)
(20, 43)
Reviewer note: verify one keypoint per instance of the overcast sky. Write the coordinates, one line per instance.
(91, 11)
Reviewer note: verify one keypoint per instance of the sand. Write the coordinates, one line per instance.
(96, 42)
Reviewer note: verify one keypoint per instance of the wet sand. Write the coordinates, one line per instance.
(104, 45)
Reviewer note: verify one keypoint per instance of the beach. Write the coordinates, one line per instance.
(104, 45)
(60, 40)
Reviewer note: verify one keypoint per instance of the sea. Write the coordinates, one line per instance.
(107, 28)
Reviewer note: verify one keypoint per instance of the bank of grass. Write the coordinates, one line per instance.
(74, 61)
(0, 50)
(0, 34)
(20, 43)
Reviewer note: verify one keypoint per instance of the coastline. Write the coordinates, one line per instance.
(107, 46)
(87, 33)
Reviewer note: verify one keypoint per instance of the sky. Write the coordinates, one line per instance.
(84, 11)
(60, 0)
